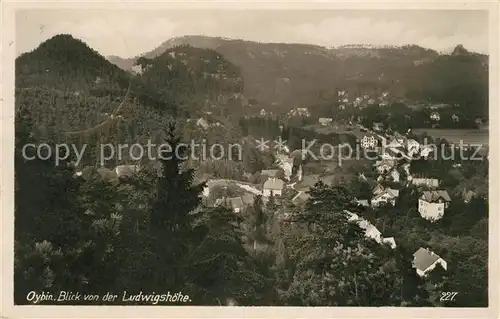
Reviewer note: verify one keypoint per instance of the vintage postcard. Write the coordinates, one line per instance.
(267, 159)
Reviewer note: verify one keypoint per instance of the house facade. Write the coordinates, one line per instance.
(431, 204)
(273, 186)
(368, 142)
(425, 260)
(435, 116)
(325, 121)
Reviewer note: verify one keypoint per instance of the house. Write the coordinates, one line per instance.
(425, 260)
(425, 151)
(273, 186)
(384, 166)
(236, 204)
(429, 182)
(412, 146)
(369, 141)
(377, 190)
(362, 202)
(389, 241)
(435, 116)
(431, 204)
(394, 143)
(269, 172)
(325, 120)
(400, 138)
(126, 170)
(370, 230)
(388, 195)
(394, 175)
(377, 126)
(467, 195)
(203, 123)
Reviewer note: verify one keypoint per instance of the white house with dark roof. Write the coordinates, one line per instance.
(273, 186)
(431, 204)
(425, 260)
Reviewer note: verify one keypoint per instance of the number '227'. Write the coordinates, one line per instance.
(448, 296)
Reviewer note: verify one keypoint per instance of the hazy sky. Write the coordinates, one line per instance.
(129, 33)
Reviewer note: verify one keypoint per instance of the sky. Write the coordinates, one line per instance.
(133, 32)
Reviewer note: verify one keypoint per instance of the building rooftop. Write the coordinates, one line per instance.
(424, 258)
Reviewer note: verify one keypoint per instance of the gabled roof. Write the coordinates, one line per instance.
(424, 258)
(270, 172)
(394, 193)
(433, 196)
(236, 202)
(274, 184)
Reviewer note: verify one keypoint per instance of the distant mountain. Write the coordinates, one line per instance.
(298, 74)
(195, 79)
(460, 50)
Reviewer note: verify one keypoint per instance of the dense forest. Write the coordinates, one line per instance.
(152, 232)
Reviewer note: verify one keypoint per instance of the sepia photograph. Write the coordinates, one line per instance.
(211, 156)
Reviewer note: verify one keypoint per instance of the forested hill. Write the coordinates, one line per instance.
(66, 63)
(71, 91)
(192, 78)
(291, 75)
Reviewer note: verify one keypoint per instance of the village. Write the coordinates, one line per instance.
(286, 181)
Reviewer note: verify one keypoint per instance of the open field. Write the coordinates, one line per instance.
(468, 136)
